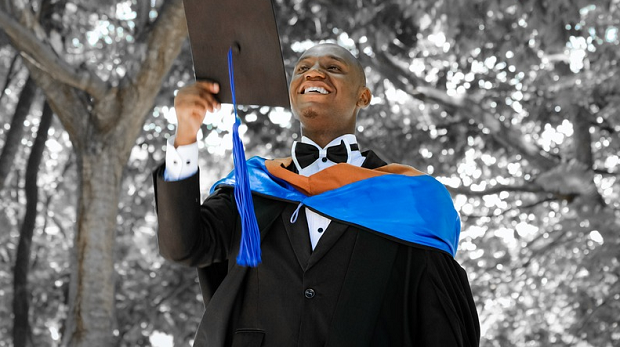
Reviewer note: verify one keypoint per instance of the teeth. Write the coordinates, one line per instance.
(319, 90)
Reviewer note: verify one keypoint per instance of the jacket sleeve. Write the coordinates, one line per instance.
(444, 313)
(189, 232)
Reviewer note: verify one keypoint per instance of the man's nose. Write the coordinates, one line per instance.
(315, 72)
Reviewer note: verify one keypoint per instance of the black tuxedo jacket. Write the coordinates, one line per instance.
(391, 293)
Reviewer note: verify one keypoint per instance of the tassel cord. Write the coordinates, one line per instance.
(249, 248)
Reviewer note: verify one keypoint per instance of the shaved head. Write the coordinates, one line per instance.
(345, 53)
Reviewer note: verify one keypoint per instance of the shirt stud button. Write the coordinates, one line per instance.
(320, 230)
(324, 160)
(309, 293)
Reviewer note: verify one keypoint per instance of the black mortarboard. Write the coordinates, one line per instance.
(249, 28)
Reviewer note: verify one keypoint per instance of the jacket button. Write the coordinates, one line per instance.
(309, 293)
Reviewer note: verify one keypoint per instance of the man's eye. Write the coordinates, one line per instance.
(302, 68)
(333, 68)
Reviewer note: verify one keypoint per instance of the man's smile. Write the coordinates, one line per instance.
(319, 90)
(315, 87)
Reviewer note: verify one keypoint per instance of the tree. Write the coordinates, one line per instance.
(103, 117)
(513, 105)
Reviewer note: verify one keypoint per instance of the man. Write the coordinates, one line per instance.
(369, 259)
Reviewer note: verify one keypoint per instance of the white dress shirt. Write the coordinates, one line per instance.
(182, 162)
(317, 224)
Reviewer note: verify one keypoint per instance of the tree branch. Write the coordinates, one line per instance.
(44, 58)
(164, 43)
(16, 131)
(471, 108)
(13, 70)
(586, 320)
(69, 104)
(520, 208)
(582, 146)
(21, 296)
(525, 188)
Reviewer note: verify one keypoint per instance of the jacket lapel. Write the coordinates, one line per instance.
(298, 233)
(331, 235)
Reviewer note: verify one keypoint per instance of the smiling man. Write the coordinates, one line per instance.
(368, 260)
(327, 90)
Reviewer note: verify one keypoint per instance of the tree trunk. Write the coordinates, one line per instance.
(91, 319)
(12, 142)
(103, 122)
(21, 295)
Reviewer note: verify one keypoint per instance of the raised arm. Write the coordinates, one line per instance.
(189, 232)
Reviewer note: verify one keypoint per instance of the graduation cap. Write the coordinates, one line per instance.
(235, 43)
(248, 27)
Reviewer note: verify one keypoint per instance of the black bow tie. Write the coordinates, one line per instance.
(307, 154)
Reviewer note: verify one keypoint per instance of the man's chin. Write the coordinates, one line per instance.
(309, 114)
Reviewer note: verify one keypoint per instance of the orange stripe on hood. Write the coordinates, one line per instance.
(333, 177)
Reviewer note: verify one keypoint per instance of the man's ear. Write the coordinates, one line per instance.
(364, 98)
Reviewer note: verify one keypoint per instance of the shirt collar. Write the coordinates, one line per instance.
(347, 138)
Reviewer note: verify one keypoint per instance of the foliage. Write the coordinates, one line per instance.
(512, 104)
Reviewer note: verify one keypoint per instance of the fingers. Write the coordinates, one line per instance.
(211, 87)
(207, 91)
(194, 103)
(191, 104)
(200, 94)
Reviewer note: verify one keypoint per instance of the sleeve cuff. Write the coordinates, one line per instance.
(181, 162)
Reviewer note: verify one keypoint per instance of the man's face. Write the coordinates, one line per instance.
(327, 89)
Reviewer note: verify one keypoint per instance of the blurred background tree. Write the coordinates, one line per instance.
(512, 104)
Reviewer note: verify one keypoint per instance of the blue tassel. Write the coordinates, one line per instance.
(249, 249)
